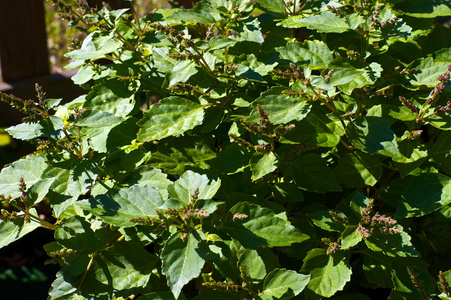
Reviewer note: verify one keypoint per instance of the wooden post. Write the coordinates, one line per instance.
(23, 41)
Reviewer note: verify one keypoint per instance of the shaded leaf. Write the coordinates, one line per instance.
(139, 201)
(311, 173)
(424, 194)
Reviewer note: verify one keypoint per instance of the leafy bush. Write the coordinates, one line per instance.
(242, 150)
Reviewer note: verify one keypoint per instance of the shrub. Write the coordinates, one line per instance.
(241, 150)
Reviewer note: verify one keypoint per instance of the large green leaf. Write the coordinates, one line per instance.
(315, 129)
(261, 228)
(327, 21)
(324, 220)
(315, 54)
(113, 96)
(350, 237)
(373, 135)
(348, 78)
(183, 259)
(252, 264)
(72, 178)
(95, 46)
(283, 284)
(280, 108)
(329, 273)
(311, 173)
(272, 5)
(231, 159)
(424, 8)
(358, 169)
(192, 16)
(424, 194)
(395, 245)
(262, 164)
(184, 188)
(172, 116)
(30, 169)
(25, 131)
(78, 234)
(430, 71)
(248, 31)
(139, 201)
(120, 270)
(441, 152)
(181, 72)
(14, 230)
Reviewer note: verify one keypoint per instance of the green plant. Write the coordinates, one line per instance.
(241, 150)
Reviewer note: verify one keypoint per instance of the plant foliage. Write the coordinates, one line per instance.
(241, 149)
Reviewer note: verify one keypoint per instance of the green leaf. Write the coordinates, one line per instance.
(347, 78)
(329, 273)
(425, 194)
(146, 175)
(25, 131)
(373, 135)
(184, 188)
(248, 32)
(78, 234)
(16, 229)
(252, 264)
(315, 54)
(183, 259)
(287, 192)
(177, 154)
(161, 296)
(72, 178)
(219, 42)
(38, 191)
(113, 96)
(192, 16)
(395, 245)
(31, 169)
(232, 159)
(324, 220)
(424, 9)
(376, 267)
(181, 72)
(139, 201)
(172, 116)
(262, 164)
(283, 284)
(121, 270)
(261, 228)
(327, 21)
(95, 46)
(281, 109)
(63, 290)
(310, 173)
(350, 237)
(430, 71)
(316, 129)
(358, 169)
(441, 152)
(272, 5)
